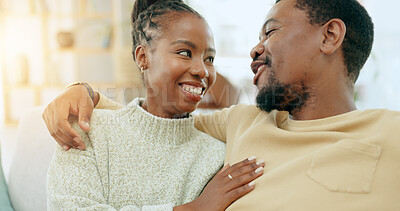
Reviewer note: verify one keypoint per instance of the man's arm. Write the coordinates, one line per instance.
(76, 101)
(214, 124)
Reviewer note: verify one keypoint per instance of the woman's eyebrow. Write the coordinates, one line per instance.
(192, 45)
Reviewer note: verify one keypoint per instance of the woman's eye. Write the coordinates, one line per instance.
(210, 59)
(185, 53)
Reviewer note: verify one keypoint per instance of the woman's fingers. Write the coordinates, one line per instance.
(223, 169)
(235, 194)
(254, 166)
(243, 167)
(243, 173)
(239, 165)
(245, 179)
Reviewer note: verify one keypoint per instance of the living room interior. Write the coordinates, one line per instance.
(47, 44)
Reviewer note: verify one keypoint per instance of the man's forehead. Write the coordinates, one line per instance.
(279, 11)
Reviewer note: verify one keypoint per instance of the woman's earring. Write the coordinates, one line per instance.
(142, 70)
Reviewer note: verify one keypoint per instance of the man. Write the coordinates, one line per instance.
(320, 152)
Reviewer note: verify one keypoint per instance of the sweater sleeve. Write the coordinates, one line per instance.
(214, 124)
(107, 103)
(74, 182)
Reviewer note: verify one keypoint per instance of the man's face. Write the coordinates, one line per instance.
(284, 59)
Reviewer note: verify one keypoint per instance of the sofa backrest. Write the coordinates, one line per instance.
(27, 173)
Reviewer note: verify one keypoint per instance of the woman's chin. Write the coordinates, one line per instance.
(188, 108)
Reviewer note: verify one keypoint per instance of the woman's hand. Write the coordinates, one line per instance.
(76, 101)
(228, 185)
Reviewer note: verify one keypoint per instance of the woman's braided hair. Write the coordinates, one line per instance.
(147, 21)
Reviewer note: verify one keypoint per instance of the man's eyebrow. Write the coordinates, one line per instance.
(266, 23)
(212, 50)
(269, 21)
(192, 45)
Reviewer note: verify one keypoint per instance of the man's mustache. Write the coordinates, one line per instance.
(266, 60)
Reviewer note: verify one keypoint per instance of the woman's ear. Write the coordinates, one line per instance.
(334, 32)
(141, 57)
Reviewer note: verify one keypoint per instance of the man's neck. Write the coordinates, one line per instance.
(326, 102)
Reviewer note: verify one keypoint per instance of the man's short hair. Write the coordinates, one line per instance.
(359, 37)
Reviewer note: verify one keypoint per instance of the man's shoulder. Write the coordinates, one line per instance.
(384, 114)
(384, 120)
(244, 109)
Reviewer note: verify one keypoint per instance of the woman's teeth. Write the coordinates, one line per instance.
(192, 89)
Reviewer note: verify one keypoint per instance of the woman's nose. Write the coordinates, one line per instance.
(200, 71)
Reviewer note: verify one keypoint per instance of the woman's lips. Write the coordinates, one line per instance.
(193, 93)
(260, 69)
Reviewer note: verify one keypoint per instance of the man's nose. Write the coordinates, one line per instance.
(257, 50)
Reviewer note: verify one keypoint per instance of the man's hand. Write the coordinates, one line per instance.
(76, 101)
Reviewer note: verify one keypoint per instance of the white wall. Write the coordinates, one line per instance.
(379, 80)
(236, 24)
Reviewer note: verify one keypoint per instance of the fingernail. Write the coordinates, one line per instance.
(251, 158)
(87, 124)
(259, 169)
(76, 139)
(260, 162)
(66, 148)
(80, 148)
(251, 184)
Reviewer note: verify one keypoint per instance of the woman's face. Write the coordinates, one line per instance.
(180, 67)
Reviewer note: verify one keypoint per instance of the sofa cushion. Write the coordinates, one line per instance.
(27, 174)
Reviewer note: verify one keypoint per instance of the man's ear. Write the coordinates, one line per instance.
(334, 32)
(141, 56)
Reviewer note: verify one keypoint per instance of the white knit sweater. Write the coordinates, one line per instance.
(133, 161)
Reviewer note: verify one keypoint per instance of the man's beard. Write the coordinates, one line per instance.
(281, 96)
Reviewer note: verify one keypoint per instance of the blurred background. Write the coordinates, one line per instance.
(47, 44)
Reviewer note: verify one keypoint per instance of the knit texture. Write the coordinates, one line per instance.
(133, 161)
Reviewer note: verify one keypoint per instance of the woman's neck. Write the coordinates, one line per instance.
(156, 110)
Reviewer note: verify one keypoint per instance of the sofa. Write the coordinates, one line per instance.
(27, 162)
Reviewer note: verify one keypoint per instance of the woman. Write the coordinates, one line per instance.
(148, 155)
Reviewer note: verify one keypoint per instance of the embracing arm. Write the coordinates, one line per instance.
(74, 101)
(214, 124)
